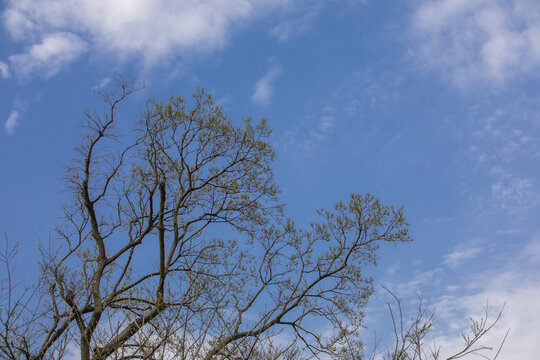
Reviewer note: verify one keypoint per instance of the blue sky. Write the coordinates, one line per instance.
(430, 104)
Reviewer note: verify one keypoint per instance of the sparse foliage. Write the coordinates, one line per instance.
(175, 245)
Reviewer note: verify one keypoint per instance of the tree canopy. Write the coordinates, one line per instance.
(175, 245)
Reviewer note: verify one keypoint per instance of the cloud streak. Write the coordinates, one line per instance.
(264, 87)
(101, 84)
(11, 122)
(4, 70)
(458, 256)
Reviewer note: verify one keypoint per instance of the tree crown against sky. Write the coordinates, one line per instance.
(175, 245)
(431, 103)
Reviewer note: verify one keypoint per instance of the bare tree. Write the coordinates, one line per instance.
(175, 245)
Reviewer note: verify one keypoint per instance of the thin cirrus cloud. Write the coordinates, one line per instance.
(11, 122)
(4, 70)
(101, 84)
(264, 87)
(56, 32)
(295, 26)
(458, 256)
(486, 41)
(501, 147)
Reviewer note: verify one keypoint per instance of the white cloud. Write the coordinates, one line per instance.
(151, 30)
(513, 286)
(11, 122)
(263, 90)
(458, 256)
(154, 31)
(101, 84)
(393, 269)
(4, 70)
(478, 40)
(518, 285)
(510, 279)
(48, 57)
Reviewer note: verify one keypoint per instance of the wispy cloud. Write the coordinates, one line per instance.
(502, 149)
(488, 278)
(4, 70)
(11, 122)
(513, 286)
(300, 16)
(368, 90)
(315, 130)
(458, 256)
(101, 84)
(532, 250)
(478, 40)
(393, 269)
(48, 57)
(295, 25)
(264, 87)
(512, 192)
(355, 100)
